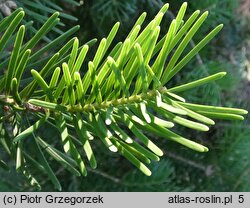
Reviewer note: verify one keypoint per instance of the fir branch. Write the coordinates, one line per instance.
(121, 97)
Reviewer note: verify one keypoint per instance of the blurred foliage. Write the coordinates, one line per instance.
(38, 11)
(162, 179)
(232, 161)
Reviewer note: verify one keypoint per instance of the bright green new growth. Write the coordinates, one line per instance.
(122, 88)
